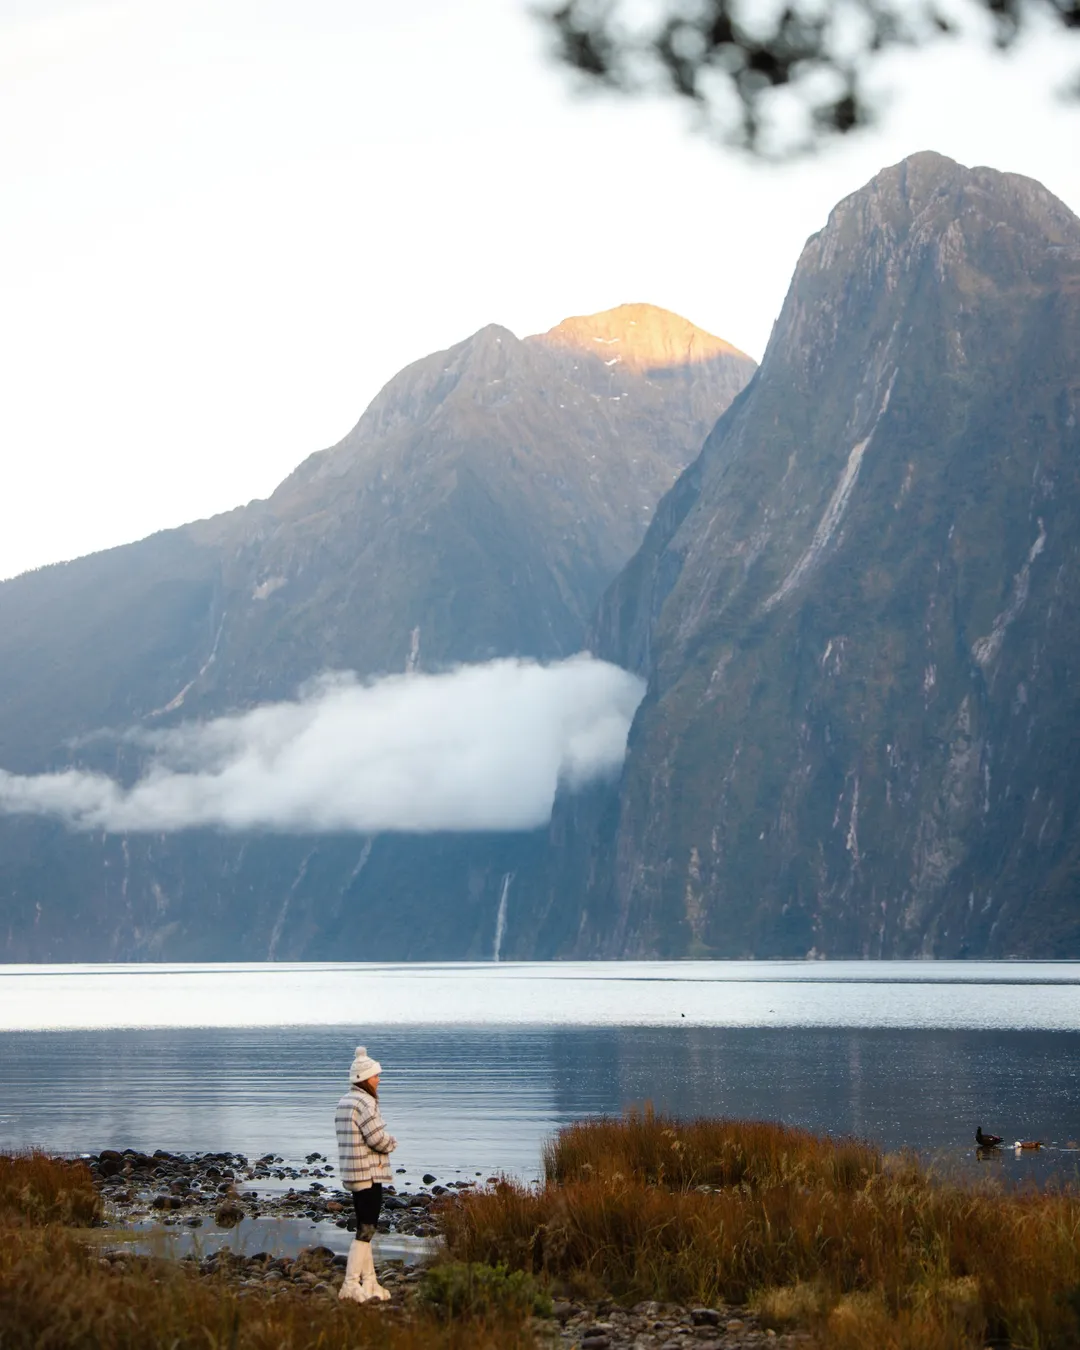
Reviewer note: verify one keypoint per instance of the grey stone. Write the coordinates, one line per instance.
(705, 1317)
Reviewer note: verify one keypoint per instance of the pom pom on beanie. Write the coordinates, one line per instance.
(363, 1066)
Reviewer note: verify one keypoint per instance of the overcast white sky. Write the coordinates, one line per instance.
(226, 224)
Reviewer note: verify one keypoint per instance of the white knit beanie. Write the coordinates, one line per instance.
(363, 1066)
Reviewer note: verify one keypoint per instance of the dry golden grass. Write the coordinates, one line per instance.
(54, 1295)
(35, 1188)
(892, 1257)
(864, 1251)
(58, 1293)
(661, 1151)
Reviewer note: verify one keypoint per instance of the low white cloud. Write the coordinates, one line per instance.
(479, 748)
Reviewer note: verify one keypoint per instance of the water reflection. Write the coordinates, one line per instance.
(467, 1099)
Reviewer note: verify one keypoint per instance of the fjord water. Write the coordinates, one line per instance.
(482, 1062)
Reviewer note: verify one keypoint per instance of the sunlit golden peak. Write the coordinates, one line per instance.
(642, 337)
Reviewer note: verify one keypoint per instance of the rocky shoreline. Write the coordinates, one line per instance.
(316, 1272)
(190, 1190)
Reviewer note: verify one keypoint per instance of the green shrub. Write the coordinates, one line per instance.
(473, 1289)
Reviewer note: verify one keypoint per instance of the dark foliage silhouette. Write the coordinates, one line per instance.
(776, 82)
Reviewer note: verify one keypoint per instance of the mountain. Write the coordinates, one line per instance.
(479, 507)
(859, 615)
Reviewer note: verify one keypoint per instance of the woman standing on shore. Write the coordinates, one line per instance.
(364, 1149)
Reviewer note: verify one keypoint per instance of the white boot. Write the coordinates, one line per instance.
(351, 1289)
(370, 1286)
(360, 1284)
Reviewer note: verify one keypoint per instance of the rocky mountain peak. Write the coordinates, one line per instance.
(640, 337)
(903, 192)
(928, 226)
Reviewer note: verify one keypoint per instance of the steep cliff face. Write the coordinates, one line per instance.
(479, 508)
(858, 611)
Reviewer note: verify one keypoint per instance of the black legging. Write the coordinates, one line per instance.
(367, 1204)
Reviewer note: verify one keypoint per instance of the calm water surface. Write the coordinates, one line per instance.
(482, 1063)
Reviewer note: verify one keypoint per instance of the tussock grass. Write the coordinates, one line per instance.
(55, 1295)
(58, 1293)
(37, 1189)
(661, 1151)
(869, 1251)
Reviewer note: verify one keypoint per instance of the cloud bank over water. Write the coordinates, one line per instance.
(481, 747)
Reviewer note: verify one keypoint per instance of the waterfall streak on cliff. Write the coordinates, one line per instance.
(834, 512)
(500, 918)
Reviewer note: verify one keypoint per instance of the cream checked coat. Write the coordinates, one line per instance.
(364, 1146)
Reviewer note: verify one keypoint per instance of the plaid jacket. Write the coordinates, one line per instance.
(364, 1146)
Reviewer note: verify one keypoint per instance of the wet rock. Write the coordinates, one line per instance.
(705, 1317)
(167, 1202)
